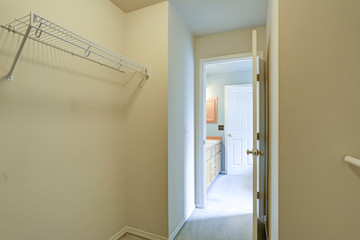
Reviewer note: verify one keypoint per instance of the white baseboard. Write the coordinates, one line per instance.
(198, 205)
(138, 233)
(177, 229)
(119, 234)
(190, 212)
(181, 224)
(152, 236)
(144, 234)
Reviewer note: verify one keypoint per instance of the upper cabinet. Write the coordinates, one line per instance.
(211, 110)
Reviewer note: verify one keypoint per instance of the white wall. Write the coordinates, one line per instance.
(146, 39)
(272, 52)
(181, 123)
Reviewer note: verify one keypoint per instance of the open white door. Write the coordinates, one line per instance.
(254, 151)
(238, 130)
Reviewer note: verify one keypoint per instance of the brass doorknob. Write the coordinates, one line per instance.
(257, 153)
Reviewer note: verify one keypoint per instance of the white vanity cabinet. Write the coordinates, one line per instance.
(213, 160)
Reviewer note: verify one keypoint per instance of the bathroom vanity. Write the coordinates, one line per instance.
(213, 160)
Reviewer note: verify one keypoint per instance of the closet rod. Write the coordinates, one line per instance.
(352, 160)
(41, 30)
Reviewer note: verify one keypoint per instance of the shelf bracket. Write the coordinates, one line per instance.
(10, 75)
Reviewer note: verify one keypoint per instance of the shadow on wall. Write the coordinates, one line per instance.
(355, 170)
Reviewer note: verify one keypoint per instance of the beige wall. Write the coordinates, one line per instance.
(272, 60)
(62, 163)
(319, 119)
(146, 39)
(227, 43)
(84, 152)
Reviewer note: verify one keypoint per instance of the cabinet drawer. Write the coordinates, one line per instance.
(218, 157)
(218, 162)
(213, 163)
(208, 174)
(213, 174)
(208, 155)
(218, 148)
(213, 151)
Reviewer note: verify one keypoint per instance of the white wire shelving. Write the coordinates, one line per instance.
(37, 28)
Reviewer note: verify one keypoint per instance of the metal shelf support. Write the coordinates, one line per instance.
(10, 75)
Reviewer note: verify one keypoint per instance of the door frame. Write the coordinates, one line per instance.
(200, 126)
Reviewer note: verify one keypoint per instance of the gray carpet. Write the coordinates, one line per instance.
(229, 228)
(261, 231)
(227, 217)
(228, 214)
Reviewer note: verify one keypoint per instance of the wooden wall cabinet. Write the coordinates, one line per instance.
(211, 110)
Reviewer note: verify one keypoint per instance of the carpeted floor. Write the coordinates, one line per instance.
(227, 217)
(228, 214)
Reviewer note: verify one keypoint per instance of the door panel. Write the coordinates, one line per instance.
(238, 123)
(236, 105)
(237, 153)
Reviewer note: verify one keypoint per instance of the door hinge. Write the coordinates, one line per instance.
(258, 136)
(258, 195)
(258, 77)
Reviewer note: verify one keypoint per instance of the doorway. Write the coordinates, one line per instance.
(201, 131)
(204, 92)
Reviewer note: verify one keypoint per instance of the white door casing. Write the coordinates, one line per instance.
(200, 133)
(200, 189)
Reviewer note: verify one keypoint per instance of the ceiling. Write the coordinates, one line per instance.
(132, 5)
(228, 67)
(204, 17)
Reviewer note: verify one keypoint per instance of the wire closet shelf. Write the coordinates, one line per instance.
(40, 29)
